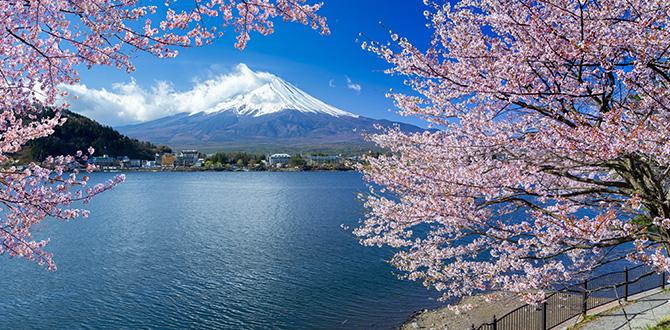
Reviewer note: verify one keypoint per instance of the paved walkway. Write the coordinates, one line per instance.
(640, 314)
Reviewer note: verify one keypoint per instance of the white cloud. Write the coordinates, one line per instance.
(353, 86)
(128, 103)
(331, 83)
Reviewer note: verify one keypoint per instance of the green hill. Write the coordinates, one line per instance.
(79, 133)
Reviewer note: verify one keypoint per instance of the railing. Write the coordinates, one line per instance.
(578, 299)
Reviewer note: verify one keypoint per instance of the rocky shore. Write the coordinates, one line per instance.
(483, 311)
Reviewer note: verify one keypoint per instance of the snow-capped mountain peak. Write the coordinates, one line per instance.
(270, 94)
(248, 110)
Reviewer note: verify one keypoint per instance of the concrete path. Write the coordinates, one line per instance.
(643, 313)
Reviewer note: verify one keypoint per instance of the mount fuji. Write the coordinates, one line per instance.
(271, 114)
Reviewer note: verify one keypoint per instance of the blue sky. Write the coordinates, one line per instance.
(298, 54)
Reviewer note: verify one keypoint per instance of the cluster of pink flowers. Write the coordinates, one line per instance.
(43, 43)
(30, 195)
(552, 155)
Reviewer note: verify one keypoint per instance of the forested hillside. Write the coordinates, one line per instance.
(79, 132)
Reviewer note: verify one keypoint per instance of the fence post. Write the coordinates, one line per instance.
(544, 315)
(495, 322)
(663, 280)
(585, 297)
(625, 287)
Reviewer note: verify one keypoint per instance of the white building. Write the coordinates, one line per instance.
(187, 158)
(279, 159)
(104, 161)
(325, 159)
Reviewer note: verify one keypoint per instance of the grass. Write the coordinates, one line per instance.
(664, 324)
(585, 319)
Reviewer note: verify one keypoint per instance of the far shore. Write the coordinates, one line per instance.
(123, 170)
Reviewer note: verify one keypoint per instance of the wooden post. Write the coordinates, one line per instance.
(625, 287)
(585, 297)
(495, 322)
(544, 315)
(663, 280)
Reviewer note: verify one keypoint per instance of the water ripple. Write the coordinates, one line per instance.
(213, 250)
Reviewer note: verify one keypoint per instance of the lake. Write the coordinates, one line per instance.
(238, 250)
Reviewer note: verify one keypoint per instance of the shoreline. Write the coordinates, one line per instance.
(157, 170)
(443, 318)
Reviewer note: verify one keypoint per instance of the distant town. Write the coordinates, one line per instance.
(193, 160)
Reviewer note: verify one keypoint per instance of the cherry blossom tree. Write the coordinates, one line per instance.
(43, 43)
(552, 158)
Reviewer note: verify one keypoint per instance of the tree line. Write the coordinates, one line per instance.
(80, 132)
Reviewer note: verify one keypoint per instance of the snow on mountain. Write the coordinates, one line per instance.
(241, 91)
(270, 95)
(258, 110)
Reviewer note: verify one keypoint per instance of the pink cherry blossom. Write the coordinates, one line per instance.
(552, 156)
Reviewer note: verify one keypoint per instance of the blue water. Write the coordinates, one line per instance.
(212, 250)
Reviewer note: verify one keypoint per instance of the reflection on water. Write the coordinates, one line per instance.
(225, 250)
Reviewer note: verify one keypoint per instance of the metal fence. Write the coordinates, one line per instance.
(563, 305)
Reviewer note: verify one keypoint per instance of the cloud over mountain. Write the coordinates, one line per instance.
(353, 86)
(127, 103)
(265, 112)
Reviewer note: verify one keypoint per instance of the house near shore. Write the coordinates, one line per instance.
(321, 160)
(103, 161)
(279, 159)
(151, 164)
(187, 158)
(168, 160)
(133, 163)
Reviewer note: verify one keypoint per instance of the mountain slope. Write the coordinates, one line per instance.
(273, 113)
(286, 128)
(79, 133)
